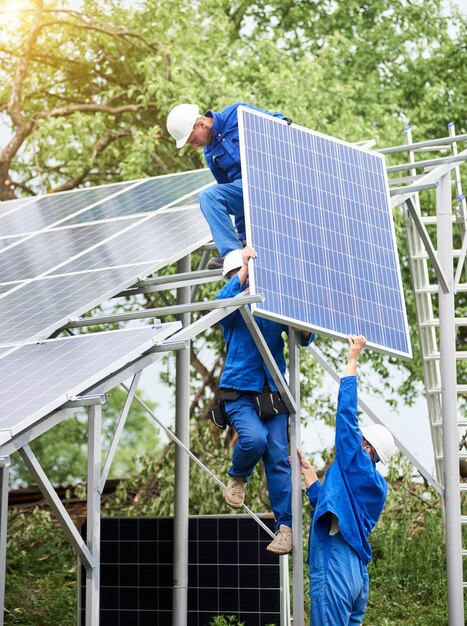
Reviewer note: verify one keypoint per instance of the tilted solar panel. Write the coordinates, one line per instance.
(149, 196)
(317, 212)
(44, 211)
(64, 270)
(39, 378)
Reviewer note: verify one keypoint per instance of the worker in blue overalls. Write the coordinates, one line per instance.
(217, 134)
(346, 508)
(246, 375)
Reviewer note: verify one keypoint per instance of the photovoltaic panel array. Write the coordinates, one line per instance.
(317, 212)
(90, 245)
(230, 572)
(39, 378)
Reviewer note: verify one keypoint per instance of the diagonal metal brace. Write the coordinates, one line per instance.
(460, 263)
(425, 237)
(268, 359)
(57, 507)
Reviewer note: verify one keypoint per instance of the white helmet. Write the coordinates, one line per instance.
(180, 122)
(232, 261)
(382, 441)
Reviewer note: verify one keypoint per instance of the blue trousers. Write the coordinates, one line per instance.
(217, 205)
(338, 583)
(266, 439)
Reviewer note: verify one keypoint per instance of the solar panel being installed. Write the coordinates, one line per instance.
(317, 212)
(39, 378)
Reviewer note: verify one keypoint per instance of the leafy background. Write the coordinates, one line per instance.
(85, 88)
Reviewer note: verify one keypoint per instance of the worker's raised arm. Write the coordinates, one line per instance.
(356, 343)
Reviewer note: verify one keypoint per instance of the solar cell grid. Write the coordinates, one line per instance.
(46, 210)
(36, 255)
(39, 378)
(317, 212)
(38, 308)
(151, 195)
(137, 572)
(8, 206)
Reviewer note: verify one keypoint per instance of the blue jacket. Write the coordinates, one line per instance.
(223, 152)
(244, 368)
(353, 489)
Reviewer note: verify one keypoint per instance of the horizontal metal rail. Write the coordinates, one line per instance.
(176, 309)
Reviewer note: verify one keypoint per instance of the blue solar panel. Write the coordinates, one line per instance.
(157, 238)
(317, 212)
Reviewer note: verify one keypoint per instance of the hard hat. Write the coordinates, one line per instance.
(381, 439)
(232, 261)
(180, 122)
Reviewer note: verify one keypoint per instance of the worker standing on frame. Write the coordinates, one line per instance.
(244, 380)
(217, 134)
(346, 507)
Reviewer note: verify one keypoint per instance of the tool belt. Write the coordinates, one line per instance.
(267, 405)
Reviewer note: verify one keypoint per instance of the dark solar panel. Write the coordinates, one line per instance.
(230, 572)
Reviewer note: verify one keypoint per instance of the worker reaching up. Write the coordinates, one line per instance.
(251, 404)
(346, 507)
(217, 134)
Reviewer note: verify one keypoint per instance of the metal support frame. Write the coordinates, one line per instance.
(205, 469)
(177, 309)
(118, 432)
(295, 442)
(425, 237)
(449, 408)
(173, 281)
(182, 469)
(268, 359)
(93, 526)
(285, 594)
(4, 483)
(57, 507)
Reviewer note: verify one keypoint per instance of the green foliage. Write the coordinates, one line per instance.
(226, 620)
(408, 570)
(41, 572)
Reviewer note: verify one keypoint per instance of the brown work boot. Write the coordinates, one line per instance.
(234, 494)
(282, 544)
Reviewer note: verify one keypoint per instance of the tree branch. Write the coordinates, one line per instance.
(91, 108)
(21, 72)
(100, 145)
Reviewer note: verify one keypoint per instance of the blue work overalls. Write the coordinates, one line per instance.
(245, 370)
(355, 492)
(220, 202)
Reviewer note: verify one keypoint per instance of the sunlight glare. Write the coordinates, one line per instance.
(10, 17)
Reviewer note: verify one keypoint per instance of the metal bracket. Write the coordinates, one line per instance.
(92, 400)
(425, 237)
